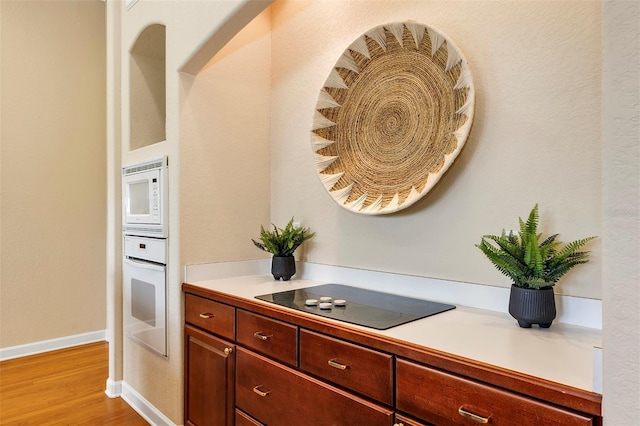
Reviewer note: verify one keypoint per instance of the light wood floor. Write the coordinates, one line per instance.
(64, 387)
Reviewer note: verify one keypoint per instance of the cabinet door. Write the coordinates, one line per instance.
(209, 364)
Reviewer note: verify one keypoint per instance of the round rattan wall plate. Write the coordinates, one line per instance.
(392, 116)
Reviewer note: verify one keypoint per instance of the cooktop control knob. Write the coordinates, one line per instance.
(325, 299)
(311, 302)
(325, 305)
(339, 302)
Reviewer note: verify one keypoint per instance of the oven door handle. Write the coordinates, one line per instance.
(144, 265)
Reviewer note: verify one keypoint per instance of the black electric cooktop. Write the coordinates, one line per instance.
(362, 307)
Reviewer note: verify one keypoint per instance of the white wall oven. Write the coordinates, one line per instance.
(145, 227)
(145, 198)
(145, 289)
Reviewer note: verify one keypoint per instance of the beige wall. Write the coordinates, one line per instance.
(535, 138)
(52, 250)
(224, 149)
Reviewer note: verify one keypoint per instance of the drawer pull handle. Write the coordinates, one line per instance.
(338, 365)
(474, 417)
(263, 393)
(206, 315)
(259, 335)
(227, 351)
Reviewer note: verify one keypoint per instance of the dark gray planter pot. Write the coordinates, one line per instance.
(283, 267)
(532, 306)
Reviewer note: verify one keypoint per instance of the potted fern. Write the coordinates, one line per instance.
(534, 268)
(282, 243)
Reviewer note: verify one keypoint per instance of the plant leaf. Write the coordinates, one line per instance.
(283, 241)
(528, 263)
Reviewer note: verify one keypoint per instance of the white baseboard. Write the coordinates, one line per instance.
(144, 407)
(113, 388)
(51, 345)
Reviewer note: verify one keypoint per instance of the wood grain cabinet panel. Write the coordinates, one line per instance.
(445, 399)
(209, 365)
(355, 367)
(243, 419)
(268, 336)
(212, 316)
(278, 395)
(407, 421)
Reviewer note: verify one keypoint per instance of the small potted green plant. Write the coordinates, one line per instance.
(534, 268)
(282, 243)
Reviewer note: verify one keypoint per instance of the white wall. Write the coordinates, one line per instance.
(52, 247)
(535, 138)
(621, 220)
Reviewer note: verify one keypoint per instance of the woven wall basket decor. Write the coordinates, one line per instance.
(392, 116)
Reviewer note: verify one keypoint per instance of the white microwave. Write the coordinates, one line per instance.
(145, 198)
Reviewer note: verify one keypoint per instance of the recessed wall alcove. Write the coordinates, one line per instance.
(147, 87)
(225, 142)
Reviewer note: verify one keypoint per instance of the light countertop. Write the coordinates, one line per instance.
(562, 353)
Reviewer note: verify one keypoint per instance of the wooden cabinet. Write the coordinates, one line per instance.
(360, 369)
(402, 420)
(279, 395)
(446, 399)
(243, 419)
(209, 315)
(209, 379)
(273, 338)
(251, 364)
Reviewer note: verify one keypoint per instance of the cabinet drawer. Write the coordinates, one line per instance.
(361, 369)
(274, 338)
(209, 315)
(278, 395)
(445, 399)
(406, 421)
(243, 419)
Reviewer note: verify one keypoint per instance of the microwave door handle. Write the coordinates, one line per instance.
(145, 265)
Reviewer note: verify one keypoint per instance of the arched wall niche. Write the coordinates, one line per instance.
(147, 87)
